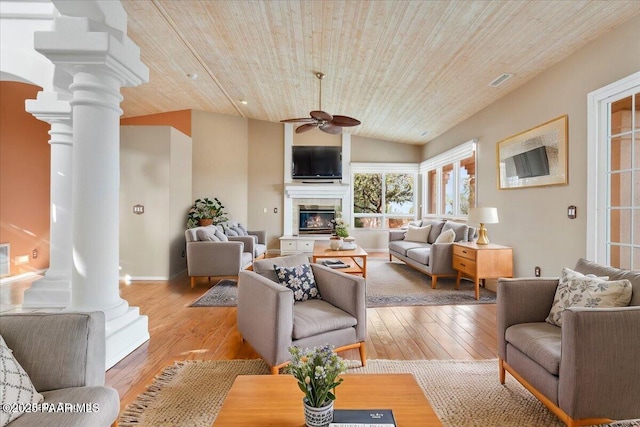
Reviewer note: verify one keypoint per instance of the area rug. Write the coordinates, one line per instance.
(462, 393)
(223, 294)
(389, 284)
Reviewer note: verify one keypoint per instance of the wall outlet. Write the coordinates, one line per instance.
(536, 271)
(182, 254)
(34, 254)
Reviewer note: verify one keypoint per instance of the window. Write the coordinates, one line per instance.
(449, 181)
(614, 172)
(384, 195)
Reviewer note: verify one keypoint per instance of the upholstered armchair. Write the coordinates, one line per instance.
(63, 355)
(587, 371)
(210, 253)
(255, 241)
(270, 320)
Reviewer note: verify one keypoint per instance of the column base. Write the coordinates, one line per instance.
(48, 292)
(124, 334)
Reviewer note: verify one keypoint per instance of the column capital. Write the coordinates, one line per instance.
(49, 106)
(74, 41)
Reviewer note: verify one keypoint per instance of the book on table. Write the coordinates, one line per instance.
(335, 263)
(363, 418)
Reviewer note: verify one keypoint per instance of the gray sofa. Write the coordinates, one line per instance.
(434, 259)
(64, 356)
(587, 371)
(271, 322)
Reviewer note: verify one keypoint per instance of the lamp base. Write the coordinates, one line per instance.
(482, 236)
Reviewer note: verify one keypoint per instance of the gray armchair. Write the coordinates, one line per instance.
(215, 258)
(271, 322)
(586, 372)
(64, 356)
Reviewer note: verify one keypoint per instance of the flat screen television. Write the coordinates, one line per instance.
(316, 162)
(532, 163)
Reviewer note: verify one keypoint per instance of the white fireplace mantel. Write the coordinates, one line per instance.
(316, 191)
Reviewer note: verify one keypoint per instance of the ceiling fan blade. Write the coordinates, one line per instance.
(321, 115)
(300, 120)
(304, 128)
(344, 121)
(331, 128)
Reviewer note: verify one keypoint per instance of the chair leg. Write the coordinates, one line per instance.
(193, 282)
(275, 370)
(363, 354)
(434, 281)
(501, 370)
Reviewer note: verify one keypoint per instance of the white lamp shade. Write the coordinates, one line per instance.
(483, 216)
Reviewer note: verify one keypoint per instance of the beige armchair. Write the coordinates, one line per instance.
(587, 371)
(271, 322)
(212, 254)
(64, 357)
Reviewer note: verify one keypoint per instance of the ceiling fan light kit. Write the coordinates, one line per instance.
(321, 119)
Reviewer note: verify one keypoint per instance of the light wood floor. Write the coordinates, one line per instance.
(179, 332)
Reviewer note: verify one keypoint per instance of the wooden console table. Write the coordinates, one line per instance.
(480, 262)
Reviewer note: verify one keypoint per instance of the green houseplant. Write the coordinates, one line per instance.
(340, 227)
(205, 212)
(317, 371)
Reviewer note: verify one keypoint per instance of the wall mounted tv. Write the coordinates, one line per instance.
(316, 162)
(531, 163)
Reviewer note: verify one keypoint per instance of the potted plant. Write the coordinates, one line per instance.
(317, 372)
(206, 212)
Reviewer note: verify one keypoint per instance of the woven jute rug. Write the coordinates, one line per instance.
(389, 284)
(462, 393)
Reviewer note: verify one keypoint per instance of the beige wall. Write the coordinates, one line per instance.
(155, 171)
(266, 188)
(220, 161)
(365, 150)
(534, 220)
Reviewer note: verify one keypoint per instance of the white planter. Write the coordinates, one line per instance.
(317, 417)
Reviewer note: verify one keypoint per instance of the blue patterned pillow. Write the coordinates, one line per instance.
(300, 280)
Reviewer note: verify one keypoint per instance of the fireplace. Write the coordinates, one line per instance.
(316, 221)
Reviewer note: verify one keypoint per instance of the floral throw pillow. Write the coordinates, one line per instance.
(578, 290)
(300, 280)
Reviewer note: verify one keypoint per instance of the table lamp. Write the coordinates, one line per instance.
(483, 216)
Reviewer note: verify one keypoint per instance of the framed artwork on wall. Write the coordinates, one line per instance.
(536, 157)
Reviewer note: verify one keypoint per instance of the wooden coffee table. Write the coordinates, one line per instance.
(356, 258)
(276, 400)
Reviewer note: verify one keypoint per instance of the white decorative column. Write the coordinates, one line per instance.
(101, 60)
(54, 289)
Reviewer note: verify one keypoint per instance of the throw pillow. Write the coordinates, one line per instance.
(446, 237)
(221, 236)
(436, 228)
(15, 384)
(207, 234)
(417, 234)
(230, 232)
(578, 290)
(300, 280)
(243, 229)
(461, 230)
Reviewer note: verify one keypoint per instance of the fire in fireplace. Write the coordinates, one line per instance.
(316, 221)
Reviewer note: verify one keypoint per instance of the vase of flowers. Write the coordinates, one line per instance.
(317, 371)
(206, 212)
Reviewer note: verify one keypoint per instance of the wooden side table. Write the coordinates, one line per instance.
(480, 262)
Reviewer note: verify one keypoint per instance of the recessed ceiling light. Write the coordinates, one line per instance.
(243, 102)
(425, 133)
(192, 76)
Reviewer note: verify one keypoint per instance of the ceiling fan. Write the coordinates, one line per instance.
(321, 119)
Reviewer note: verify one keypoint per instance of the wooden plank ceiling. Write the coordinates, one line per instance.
(403, 68)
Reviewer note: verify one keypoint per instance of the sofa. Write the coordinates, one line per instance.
(63, 355)
(236, 232)
(586, 370)
(426, 250)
